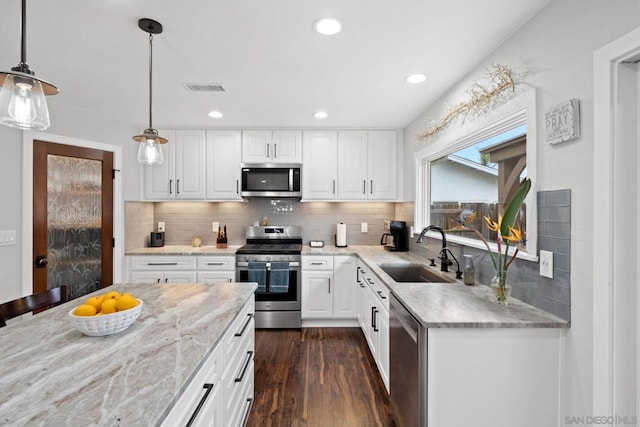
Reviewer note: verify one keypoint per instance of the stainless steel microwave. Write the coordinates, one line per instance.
(271, 180)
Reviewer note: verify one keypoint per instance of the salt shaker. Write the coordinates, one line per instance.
(469, 271)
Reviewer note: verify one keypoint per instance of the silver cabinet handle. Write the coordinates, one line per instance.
(316, 263)
(371, 187)
(162, 263)
(208, 387)
(329, 285)
(170, 186)
(275, 151)
(267, 150)
(364, 186)
(334, 186)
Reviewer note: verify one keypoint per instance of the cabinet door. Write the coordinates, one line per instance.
(372, 337)
(320, 165)
(383, 344)
(363, 306)
(256, 146)
(317, 294)
(146, 277)
(190, 164)
(344, 296)
(224, 155)
(287, 146)
(381, 165)
(180, 277)
(159, 180)
(210, 277)
(352, 165)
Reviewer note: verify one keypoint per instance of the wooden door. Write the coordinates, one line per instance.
(72, 218)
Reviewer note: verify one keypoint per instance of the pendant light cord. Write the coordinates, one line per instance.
(150, 77)
(23, 31)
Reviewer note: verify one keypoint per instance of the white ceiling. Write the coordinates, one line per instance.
(276, 70)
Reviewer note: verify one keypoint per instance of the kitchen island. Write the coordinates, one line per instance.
(53, 375)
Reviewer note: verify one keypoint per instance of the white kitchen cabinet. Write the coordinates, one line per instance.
(182, 175)
(320, 165)
(344, 298)
(367, 165)
(317, 298)
(382, 323)
(221, 392)
(271, 146)
(161, 269)
(215, 276)
(163, 277)
(224, 155)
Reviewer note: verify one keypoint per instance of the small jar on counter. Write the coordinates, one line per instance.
(469, 272)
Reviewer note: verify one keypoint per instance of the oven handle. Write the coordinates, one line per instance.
(246, 264)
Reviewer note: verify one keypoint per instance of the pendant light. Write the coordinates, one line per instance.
(150, 152)
(22, 99)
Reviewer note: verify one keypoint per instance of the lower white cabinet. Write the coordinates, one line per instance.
(373, 317)
(181, 268)
(221, 392)
(329, 287)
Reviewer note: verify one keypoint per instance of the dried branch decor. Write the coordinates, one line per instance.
(480, 98)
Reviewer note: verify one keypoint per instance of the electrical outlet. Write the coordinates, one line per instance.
(546, 264)
(214, 226)
(7, 237)
(161, 226)
(364, 227)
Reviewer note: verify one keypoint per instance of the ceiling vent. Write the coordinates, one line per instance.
(203, 87)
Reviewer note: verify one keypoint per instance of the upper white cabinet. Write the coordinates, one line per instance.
(224, 151)
(271, 146)
(367, 165)
(320, 165)
(182, 175)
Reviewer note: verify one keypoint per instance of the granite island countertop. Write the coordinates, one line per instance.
(53, 375)
(446, 305)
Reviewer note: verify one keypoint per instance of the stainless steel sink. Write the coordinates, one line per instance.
(401, 272)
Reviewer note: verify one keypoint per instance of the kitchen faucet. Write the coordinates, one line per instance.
(445, 262)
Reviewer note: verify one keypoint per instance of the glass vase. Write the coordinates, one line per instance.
(501, 290)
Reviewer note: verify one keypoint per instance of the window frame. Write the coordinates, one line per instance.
(520, 110)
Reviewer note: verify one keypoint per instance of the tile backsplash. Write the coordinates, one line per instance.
(184, 220)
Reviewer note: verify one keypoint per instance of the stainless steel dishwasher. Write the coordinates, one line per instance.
(408, 367)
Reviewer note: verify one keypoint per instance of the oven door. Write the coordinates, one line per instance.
(271, 296)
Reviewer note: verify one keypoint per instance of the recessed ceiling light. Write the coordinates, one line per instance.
(416, 78)
(327, 26)
(320, 115)
(215, 114)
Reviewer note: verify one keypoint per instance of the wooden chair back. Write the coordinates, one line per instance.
(41, 300)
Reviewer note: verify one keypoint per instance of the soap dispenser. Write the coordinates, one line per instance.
(469, 271)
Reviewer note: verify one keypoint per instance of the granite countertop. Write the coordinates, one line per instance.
(185, 250)
(447, 305)
(53, 375)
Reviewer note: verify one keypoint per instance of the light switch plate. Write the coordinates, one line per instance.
(364, 227)
(214, 226)
(7, 237)
(161, 226)
(546, 264)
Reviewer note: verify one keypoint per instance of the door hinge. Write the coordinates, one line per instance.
(113, 173)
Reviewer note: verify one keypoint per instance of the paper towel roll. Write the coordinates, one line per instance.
(341, 235)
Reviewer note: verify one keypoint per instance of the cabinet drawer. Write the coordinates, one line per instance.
(210, 277)
(227, 263)
(238, 373)
(163, 263)
(241, 327)
(317, 262)
(242, 406)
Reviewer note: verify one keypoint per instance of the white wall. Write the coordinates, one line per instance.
(556, 49)
(65, 122)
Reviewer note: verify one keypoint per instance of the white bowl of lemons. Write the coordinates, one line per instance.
(106, 314)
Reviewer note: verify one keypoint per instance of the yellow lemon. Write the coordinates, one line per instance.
(85, 310)
(96, 302)
(125, 302)
(108, 306)
(111, 294)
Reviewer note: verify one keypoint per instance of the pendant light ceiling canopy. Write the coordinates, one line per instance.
(150, 152)
(22, 99)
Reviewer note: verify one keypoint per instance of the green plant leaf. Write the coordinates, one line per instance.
(511, 212)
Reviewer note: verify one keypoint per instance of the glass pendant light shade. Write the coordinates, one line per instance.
(23, 104)
(150, 150)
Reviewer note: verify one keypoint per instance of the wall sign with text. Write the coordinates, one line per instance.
(562, 122)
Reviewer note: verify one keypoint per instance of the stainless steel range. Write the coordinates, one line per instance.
(272, 259)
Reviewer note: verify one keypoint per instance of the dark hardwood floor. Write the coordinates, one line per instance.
(317, 377)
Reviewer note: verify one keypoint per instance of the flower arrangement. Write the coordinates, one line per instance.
(508, 233)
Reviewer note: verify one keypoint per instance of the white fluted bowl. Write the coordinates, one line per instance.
(107, 324)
